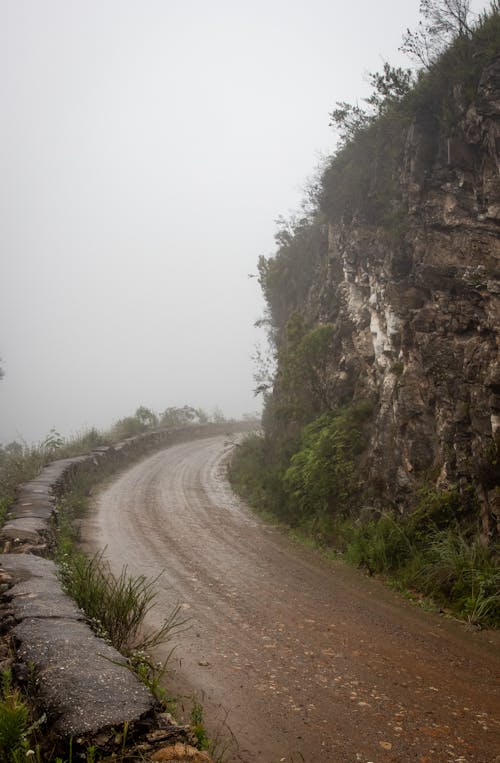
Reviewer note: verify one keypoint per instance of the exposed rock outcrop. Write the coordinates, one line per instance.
(415, 301)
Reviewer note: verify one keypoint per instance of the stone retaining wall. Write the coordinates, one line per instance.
(84, 685)
(30, 520)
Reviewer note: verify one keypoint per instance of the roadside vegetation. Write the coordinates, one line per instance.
(115, 605)
(435, 551)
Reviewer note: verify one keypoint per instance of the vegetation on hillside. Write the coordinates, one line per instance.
(306, 468)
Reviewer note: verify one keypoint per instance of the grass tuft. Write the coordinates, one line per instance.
(116, 606)
(14, 720)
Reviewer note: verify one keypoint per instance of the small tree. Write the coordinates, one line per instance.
(146, 417)
(389, 87)
(177, 417)
(442, 21)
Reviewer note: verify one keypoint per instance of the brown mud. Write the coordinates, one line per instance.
(294, 657)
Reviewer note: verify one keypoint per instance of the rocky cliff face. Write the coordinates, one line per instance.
(417, 309)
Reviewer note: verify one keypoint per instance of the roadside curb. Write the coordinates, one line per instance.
(84, 684)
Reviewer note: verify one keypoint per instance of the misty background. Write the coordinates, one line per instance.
(146, 150)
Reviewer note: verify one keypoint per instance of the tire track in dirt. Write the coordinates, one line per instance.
(309, 660)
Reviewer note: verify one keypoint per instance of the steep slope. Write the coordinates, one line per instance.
(400, 269)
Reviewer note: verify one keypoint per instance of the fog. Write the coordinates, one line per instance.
(146, 150)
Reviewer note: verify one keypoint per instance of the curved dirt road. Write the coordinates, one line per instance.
(310, 660)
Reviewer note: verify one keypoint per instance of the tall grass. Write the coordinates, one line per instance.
(380, 545)
(21, 463)
(463, 572)
(449, 565)
(14, 721)
(18, 463)
(116, 606)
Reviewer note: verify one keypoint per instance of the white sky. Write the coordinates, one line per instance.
(146, 148)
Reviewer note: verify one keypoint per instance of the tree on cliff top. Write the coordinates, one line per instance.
(389, 87)
(442, 22)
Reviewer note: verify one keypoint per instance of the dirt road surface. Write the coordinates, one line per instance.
(303, 658)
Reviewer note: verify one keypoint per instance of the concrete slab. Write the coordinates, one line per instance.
(28, 529)
(37, 591)
(36, 508)
(83, 684)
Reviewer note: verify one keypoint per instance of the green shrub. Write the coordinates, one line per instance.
(322, 477)
(378, 545)
(256, 473)
(438, 509)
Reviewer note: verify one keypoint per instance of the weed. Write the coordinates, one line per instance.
(14, 721)
(151, 674)
(116, 605)
(198, 727)
(379, 545)
(463, 573)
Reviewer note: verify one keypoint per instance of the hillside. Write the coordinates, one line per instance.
(383, 309)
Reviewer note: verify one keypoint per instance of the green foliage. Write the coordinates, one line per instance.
(246, 468)
(463, 573)
(127, 427)
(151, 674)
(428, 552)
(287, 277)
(378, 545)
(256, 473)
(318, 494)
(146, 417)
(197, 726)
(18, 463)
(14, 721)
(438, 509)
(442, 21)
(213, 744)
(304, 372)
(362, 178)
(52, 443)
(322, 477)
(389, 87)
(304, 479)
(349, 120)
(115, 606)
(83, 443)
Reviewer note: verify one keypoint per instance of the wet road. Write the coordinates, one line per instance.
(294, 657)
